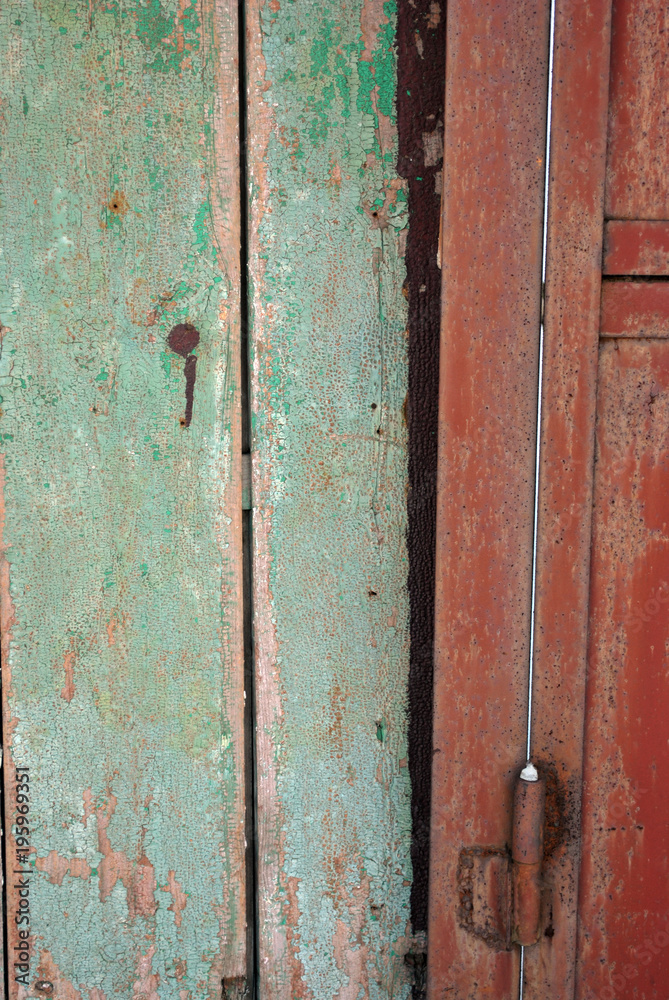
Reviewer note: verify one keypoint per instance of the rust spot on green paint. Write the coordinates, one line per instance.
(183, 339)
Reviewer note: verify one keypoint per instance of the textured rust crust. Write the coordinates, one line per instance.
(484, 898)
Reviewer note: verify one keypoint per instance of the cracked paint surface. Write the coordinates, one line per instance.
(329, 370)
(121, 562)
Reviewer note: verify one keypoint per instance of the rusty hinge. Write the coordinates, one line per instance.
(500, 889)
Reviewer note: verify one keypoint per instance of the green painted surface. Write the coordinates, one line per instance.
(120, 530)
(330, 477)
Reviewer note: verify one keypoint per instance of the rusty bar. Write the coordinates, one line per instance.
(529, 802)
(491, 280)
(575, 227)
(527, 851)
(635, 309)
(638, 247)
(526, 904)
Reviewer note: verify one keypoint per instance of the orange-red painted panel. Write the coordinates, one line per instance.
(624, 904)
(635, 309)
(632, 247)
(637, 176)
(491, 266)
(580, 100)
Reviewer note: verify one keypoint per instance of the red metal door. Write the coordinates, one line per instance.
(600, 656)
(624, 891)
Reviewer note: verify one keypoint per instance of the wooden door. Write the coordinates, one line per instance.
(138, 267)
(328, 218)
(601, 648)
(624, 894)
(121, 572)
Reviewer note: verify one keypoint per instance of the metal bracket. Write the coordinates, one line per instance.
(500, 890)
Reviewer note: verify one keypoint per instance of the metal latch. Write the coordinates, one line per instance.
(500, 890)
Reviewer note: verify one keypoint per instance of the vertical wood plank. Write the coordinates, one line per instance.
(575, 233)
(121, 561)
(328, 214)
(494, 129)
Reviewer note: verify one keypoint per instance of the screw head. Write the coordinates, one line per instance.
(44, 986)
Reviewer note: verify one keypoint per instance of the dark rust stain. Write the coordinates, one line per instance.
(555, 821)
(183, 339)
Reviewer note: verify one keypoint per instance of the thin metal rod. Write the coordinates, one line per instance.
(537, 457)
(540, 385)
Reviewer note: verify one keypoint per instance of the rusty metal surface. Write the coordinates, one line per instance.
(637, 185)
(493, 173)
(635, 309)
(632, 247)
(529, 806)
(527, 852)
(624, 900)
(526, 891)
(570, 369)
(484, 895)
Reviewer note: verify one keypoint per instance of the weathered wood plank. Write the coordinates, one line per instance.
(328, 214)
(123, 683)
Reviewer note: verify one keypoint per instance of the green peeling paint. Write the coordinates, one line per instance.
(329, 383)
(116, 530)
